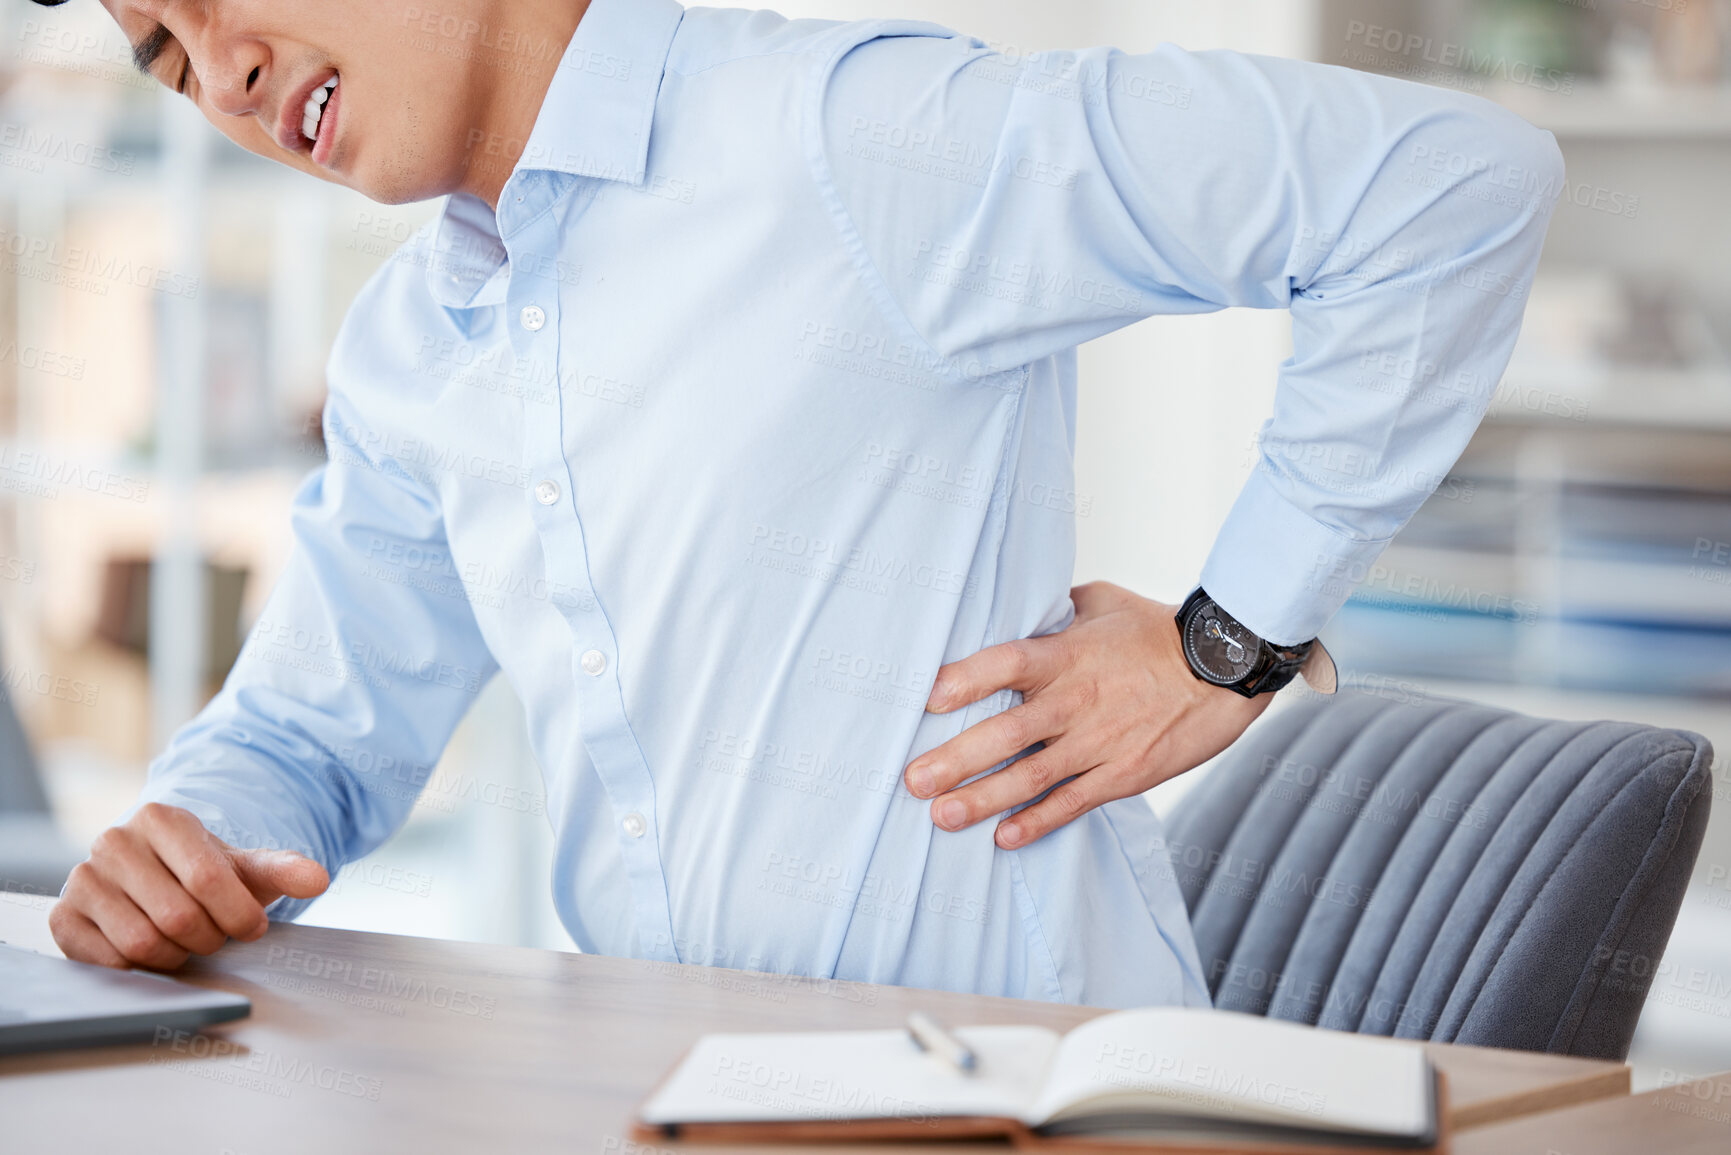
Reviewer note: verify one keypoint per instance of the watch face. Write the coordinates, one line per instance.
(1219, 649)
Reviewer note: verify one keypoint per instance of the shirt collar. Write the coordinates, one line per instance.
(594, 122)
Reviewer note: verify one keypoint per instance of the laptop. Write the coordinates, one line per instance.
(47, 1003)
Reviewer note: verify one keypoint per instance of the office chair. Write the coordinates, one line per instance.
(34, 857)
(1442, 870)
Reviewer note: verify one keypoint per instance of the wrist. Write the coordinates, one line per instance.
(1222, 651)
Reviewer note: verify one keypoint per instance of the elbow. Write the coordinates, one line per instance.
(1530, 162)
(1522, 159)
(1552, 152)
(1537, 150)
(1495, 209)
(1485, 154)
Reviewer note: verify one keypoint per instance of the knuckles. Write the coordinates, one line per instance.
(141, 945)
(1069, 801)
(1016, 729)
(78, 880)
(205, 876)
(60, 919)
(1038, 772)
(161, 819)
(155, 814)
(179, 922)
(111, 843)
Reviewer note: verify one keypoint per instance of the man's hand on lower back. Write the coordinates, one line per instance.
(160, 888)
(1111, 697)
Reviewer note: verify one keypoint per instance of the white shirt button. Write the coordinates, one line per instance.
(634, 825)
(533, 318)
(547, 492)
(594, 663)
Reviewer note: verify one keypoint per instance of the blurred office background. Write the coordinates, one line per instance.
(167, 303)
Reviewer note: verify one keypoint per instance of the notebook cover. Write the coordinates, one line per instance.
(1026, 1139)
(1020, 1135)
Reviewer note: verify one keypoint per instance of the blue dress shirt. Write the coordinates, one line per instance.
(754, 403)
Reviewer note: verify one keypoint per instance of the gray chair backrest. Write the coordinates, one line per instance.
(1442, 870)
(20, 783)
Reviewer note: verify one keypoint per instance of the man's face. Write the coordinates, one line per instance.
(395, 126)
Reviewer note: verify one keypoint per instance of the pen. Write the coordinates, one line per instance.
(934, 1040)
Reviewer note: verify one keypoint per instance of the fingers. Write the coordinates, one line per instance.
(1110, 696)
(1010, 787)
(159, 894)
(128, 931)
(79, 939)
(1066, 803)
(155, 890)
(982, 746)
(200, 864)
(271, 874)
(1024, 665)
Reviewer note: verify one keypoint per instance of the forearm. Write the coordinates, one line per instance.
(1405, 310)
(254, 783)
(348, 687)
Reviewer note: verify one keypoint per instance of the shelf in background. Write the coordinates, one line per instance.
(1695, 399)
(1597, 112)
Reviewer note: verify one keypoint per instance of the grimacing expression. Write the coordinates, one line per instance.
(335, 88)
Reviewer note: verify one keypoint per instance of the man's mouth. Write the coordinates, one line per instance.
(315, 109)
(306, 121)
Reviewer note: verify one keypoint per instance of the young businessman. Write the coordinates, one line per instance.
(727, 408)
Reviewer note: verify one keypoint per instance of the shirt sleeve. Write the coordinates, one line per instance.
(365, 658)
(1004, 208)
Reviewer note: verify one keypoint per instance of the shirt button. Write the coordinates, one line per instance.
(594, 663)
(634, 825)
(533, 318)
(547, 492)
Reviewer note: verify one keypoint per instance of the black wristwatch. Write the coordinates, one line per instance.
(1223, 652)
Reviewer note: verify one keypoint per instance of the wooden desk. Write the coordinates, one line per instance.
(375, 1043)
(1688, 1119)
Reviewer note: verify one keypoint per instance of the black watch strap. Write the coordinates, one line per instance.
(1223, 652)
(1288, 660)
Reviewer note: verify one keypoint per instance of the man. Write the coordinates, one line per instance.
(721, 408)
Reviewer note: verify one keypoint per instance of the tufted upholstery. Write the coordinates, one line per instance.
(1442, 870)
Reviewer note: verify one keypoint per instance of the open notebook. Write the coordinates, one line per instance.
(1164, 1078)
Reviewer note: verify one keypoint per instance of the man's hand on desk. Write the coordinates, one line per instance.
(161, 888)
(1111, 697)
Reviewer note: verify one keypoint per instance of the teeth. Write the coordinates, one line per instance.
(315, 109)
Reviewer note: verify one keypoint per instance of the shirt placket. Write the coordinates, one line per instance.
(530, 224)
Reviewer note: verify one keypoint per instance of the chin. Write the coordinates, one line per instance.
(396, 196)
(401, 188)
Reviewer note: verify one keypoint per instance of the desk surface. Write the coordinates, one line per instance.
(1691, 1118)
(371, 1042)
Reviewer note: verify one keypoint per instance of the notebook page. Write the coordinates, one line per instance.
(851, 1075)
(1244, 1067)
